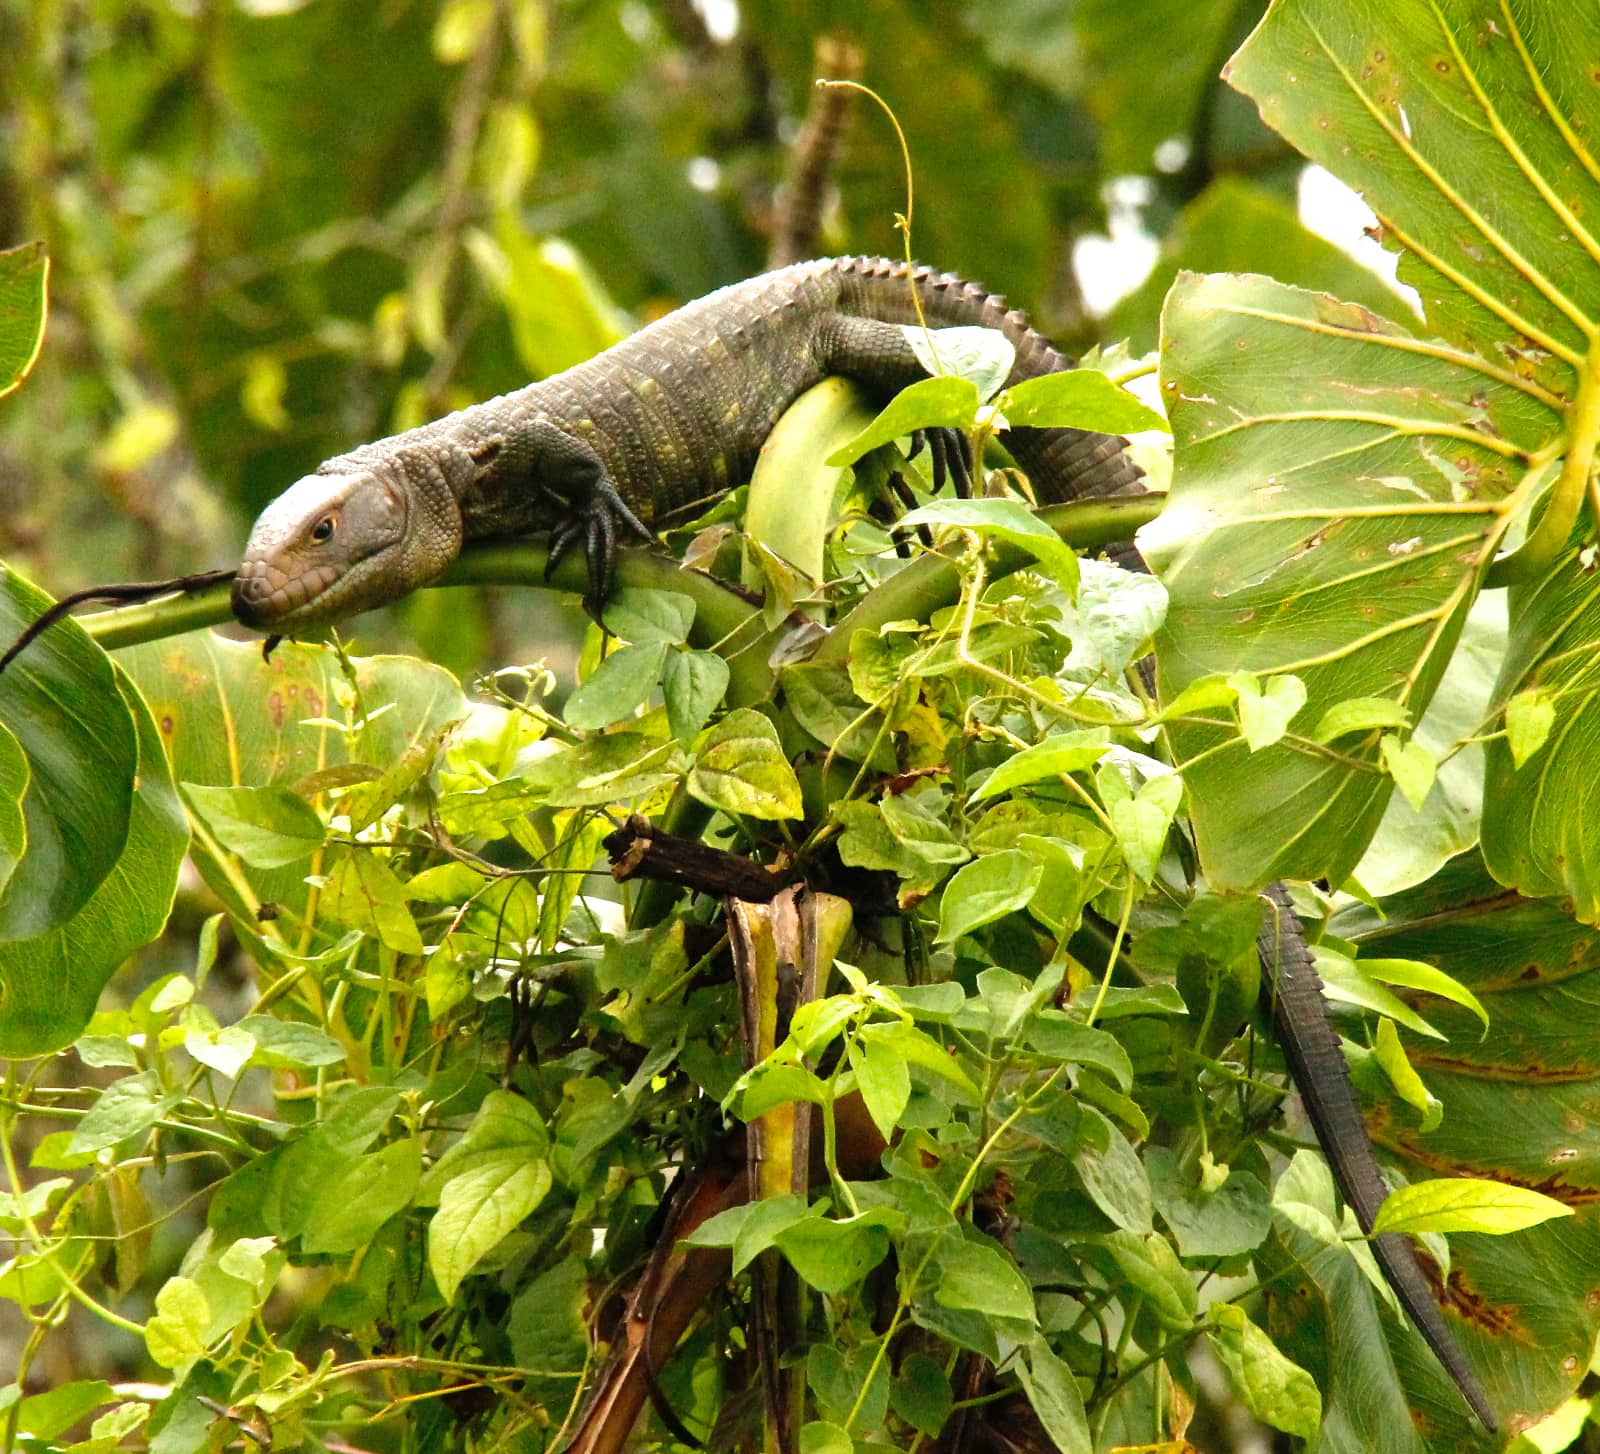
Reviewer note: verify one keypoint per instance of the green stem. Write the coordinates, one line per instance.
(48, 1251)
(934, 581)
(721, 611)
(1549, 537)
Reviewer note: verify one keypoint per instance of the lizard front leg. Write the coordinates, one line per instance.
(569, 474)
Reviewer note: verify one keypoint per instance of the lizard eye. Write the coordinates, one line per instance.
(322, 531)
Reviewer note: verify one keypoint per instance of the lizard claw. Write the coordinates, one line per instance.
(948, 452)
(596, 523)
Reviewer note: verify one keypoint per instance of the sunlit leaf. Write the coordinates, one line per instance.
(1462, 1204)
(940, 403)
(24, 275)
(739, 767)
(1275, 1390)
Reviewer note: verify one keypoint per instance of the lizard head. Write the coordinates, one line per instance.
(338, 543)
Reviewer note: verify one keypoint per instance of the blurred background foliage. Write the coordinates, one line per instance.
(282, 227)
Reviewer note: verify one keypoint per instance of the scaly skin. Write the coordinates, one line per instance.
(674, 414)
(1317, 1065)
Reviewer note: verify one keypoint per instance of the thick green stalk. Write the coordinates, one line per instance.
(934, 581)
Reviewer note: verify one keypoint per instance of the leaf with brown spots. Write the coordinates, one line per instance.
(1342, 484)
(231, 720)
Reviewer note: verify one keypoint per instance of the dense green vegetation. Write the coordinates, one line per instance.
(399, 1123)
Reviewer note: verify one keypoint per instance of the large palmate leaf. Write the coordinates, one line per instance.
(51, 982)
(1343, 484)
(1539, 819)
(1237, 226)
(67, 768)
(1537, 973)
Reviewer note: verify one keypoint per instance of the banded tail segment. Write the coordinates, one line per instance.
(1064, 464)
(1311, 1046)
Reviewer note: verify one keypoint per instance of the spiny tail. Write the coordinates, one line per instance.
(1311, 1046)
(1063, 464)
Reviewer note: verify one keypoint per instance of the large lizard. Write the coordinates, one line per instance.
(677, 413)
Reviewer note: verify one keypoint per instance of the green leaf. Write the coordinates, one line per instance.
(1151, 1268)
(503, 1122)
(363, 1192)
(983, 355)
(175, 1334)
(1275, 1390)
(1391, 1056)
(693, 684)
(1061, 1038)
(917, 824)
(821, 1437)
(226, 1051)
(823, 701)
(1078, 399)
(916, 1047)
(1529, 717)
(884, 1081)
(269, 827)
(1008, 520)
(752, 1228)
(1060, 753)
(920, 1394)
(494, 1178)
(1411, 846)
(1113, 618)
(14, 774)
(61, 702)
(1114, 1176)
(363, 893)
(1465, 1204)
(1201, 695)
(739, 767)
(833, 1256)
(50, 1414)
(1265, 712)
(1411, 766)
(773, 1083)
(1141, 823)
(50, 984)
(620, 685)
(1253, 562)
(1054, 1394)
(126, 1108)
(1223, 1220)
(980, 1279)
(1358, 714)
(547, 1327)
(642, 616)
(986, 890)
(1413, 974)
(938, 403)
(24, 278)
(1458, 135)
(1345, 980)
(290, 1044)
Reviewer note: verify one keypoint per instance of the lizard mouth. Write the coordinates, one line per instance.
(266, 596)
